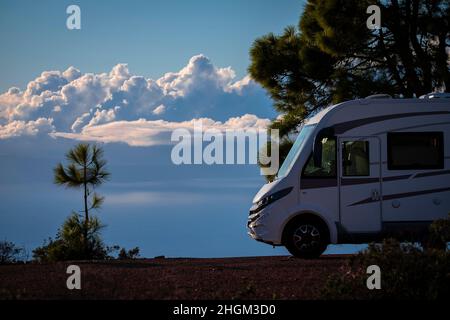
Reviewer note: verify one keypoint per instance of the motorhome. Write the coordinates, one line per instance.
(357, 172)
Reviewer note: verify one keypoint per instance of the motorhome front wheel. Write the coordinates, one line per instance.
(305, 238)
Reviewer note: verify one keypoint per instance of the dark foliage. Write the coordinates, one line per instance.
(407, 271)
(69, 243)
(331, 56)
(10, 253)
(131, 254)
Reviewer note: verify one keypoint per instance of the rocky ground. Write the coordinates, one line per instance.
(278, 277)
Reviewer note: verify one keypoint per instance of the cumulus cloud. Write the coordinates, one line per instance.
(68, 93)
(30, 128)
(144, 132)
(81, 103)
(159, 109)
(241, 85)
(199, 74)
(78, 123)
(103, 116)
(71, 74)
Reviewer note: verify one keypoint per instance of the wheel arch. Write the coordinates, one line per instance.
(307, 214)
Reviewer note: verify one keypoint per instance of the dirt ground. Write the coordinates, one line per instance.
(174, 278)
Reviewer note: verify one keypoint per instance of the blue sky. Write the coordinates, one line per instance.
(153, 37)
(134, 72)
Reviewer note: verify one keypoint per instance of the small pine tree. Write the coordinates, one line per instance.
(85, 170)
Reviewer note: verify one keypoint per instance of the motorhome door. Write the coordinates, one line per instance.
(360, 184)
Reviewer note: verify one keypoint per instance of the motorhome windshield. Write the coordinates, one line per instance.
(292, 156)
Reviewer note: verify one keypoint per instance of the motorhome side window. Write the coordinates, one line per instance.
(328, 167)
(415, 150)
(355, 158)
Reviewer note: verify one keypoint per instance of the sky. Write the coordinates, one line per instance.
(152, 36)
(135, 71)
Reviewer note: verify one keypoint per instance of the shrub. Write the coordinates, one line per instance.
(407, 272)
(439, 235)
(128, 254)
(10, 253)
(69, 243)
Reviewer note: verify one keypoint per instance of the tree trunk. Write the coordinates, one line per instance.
(422, 58)
(402, 48)
(86, 216)
(442, 62)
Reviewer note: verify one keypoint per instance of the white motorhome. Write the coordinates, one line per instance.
(358, 171)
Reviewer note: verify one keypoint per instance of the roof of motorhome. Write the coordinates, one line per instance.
(318, 116)
(380, 101)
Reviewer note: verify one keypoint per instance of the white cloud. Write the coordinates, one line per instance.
(199, 73)
(30, 128)
(103, 116)
(139, 93)
(241, 85)
(80, 121)
(71, 74)
(77, 102)
(159, 109)
(156, 132)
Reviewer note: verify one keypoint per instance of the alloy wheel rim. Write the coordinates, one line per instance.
(306, 237)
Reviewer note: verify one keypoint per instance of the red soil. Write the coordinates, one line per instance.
(181, 278)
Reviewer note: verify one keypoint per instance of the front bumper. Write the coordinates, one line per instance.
(258, 227)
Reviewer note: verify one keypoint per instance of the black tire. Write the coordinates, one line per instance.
(306, 237)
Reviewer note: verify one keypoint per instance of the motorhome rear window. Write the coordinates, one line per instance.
(415, 150)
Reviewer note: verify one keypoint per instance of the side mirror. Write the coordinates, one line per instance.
(317, 147)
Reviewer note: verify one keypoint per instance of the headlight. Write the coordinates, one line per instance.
(264, 202)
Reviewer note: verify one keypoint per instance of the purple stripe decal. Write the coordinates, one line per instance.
(401, 195)
(315, 183)
(346, 126)
(331, 182)
(353, 181)
(434, 173)
(406, 176)
(318, 183)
